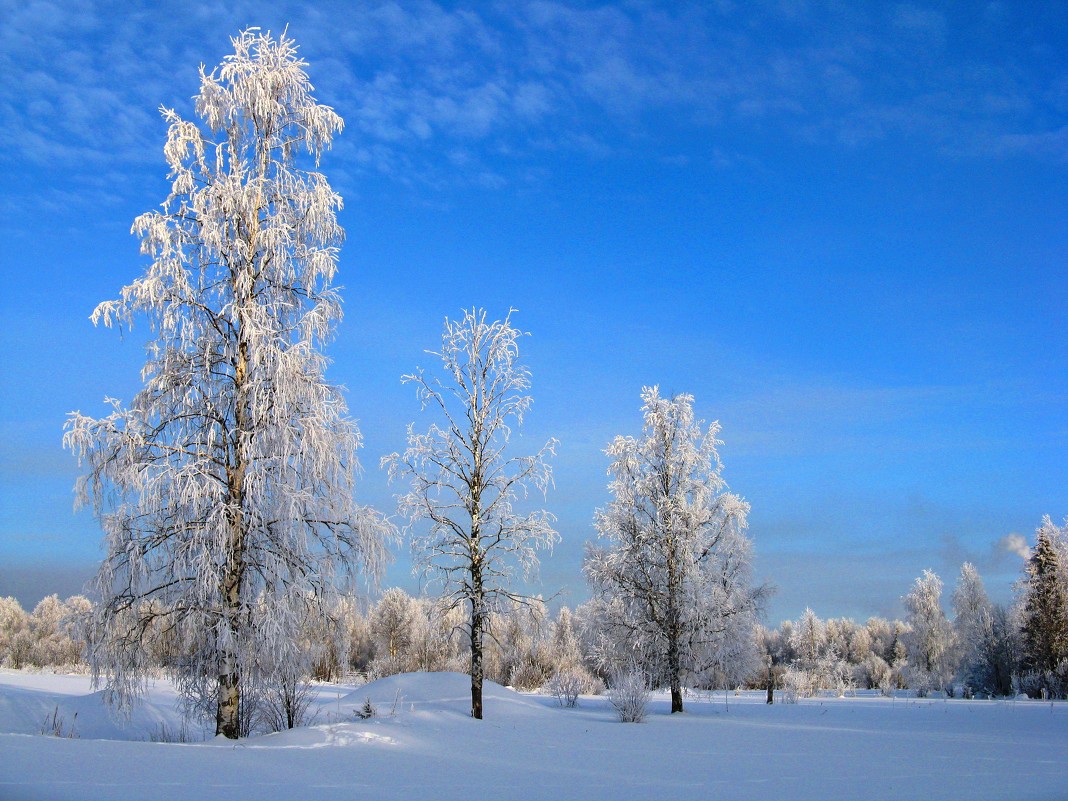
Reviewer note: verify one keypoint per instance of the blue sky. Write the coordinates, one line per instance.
(842, 227)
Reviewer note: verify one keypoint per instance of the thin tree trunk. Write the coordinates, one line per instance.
(478, 594)
(674, 633)
(675, 670)
(477, 622)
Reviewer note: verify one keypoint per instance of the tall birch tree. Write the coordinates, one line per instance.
(930, 639)
(972, 623)
(465, 482)
(225, 489)
(675, 580)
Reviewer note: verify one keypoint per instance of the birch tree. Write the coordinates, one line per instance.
(930, 640)
(972, 623)
(225, 489)
(675, 579)
(465, 482)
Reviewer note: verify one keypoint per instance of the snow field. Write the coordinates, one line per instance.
(423, 745)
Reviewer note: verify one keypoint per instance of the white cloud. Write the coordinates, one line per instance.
(1015, 544)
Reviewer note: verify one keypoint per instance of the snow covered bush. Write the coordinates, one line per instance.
(798, 683)
(367, 711)
(527, 676)
(629, 695)
(567, 684)
(878, 674)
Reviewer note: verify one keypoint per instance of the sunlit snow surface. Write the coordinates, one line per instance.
(423, 745)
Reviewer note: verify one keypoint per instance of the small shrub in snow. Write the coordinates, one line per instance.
(567, 684)
(166, 734)
(887, 685)
(526, 676)
(367, 711)
(797, 683)
(56, 725)
(286, 705)
(629, 695)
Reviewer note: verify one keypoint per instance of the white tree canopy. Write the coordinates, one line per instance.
(972, 622)
(930, 640)
(225, 489)
(676, 577)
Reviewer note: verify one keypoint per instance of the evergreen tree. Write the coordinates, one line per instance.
(1045, 618)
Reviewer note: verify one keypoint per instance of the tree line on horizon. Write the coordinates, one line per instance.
(984, 650)
(226, 489)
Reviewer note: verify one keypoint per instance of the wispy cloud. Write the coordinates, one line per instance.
(415, 78)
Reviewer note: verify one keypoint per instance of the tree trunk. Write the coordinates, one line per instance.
(227, 713)
(675, 670)
(676, 695)
(478, 593)
(229, 700)
(477, 621)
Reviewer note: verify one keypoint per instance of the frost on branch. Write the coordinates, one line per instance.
(464, 482)
(225, 489)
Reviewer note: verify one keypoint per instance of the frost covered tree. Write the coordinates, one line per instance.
(57, 630)
(675, 578)
(464, 481)
(998, 664)
(15, 638)
(392, 623)
(225, 489)
(930, 641)
(973, 624)
(1045, 612)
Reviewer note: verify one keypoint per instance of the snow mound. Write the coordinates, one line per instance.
(70, 708)
(440, 692)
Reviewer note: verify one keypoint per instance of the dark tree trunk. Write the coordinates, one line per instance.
(674, 637)
(675, 669)
(476, 659)
(676, 696)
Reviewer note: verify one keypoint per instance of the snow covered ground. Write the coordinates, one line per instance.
(423, 745)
